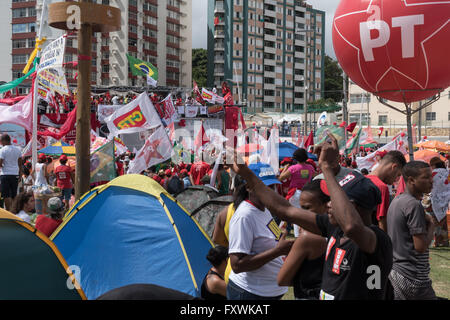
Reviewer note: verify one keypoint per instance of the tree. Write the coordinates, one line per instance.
(200, 66)
(333, 80)
(321, 105)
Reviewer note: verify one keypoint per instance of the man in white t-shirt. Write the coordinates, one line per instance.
(256, 245)
(10, 170)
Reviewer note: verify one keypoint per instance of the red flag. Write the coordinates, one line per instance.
(380, 132)
(66, 127)
(216, 21)
(351, 127)
(198, 94)
(309, 141)
(228, 99)
(225, 88)
(201, 139)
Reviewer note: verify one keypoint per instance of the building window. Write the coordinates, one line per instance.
(382, 119)
(16, 74)
(174, 3)
(173, 27)
(19, 13)
(19, 59)
(132, 42)
(20, 43)
(358, 98)
(431, 116)
(150, 7)
(133, 28)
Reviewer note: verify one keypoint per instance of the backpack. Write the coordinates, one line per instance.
(174, 186)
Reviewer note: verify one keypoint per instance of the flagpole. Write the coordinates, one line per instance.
(35, 96)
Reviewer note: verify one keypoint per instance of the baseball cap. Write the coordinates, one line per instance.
(286, 160)
(264, 172)
(358, 189)
(55, 205)
(63, 158)
(42, 157)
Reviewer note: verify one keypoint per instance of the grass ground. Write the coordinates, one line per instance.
(440, 273)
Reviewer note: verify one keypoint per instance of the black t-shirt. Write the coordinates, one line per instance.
(349, 273)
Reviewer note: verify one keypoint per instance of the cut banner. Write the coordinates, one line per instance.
(157, 149)
(139, 115)
(103, 164)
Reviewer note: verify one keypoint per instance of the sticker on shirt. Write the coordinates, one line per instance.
(325, 296)
(304, 174)
(62, 175)
(273, 227)
(338, 258)
(330, 245)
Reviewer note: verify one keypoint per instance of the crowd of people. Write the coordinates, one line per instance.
(357, 234)
(358, 237)
(23, 191)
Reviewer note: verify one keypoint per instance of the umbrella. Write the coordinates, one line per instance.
(59, 148)
(425, 155)
(71, 162)
(434, 145)
(287, 149)
(249, 148)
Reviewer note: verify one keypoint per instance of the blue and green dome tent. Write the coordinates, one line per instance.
(31, 267)
(131, 231)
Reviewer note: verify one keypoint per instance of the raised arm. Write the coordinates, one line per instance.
(344, 212)
(276, 204)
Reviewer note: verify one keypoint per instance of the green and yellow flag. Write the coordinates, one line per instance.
(103, 163)
(142, 68)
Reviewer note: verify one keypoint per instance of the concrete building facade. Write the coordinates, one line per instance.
(271, 52)
(159, 32)
(364, 107)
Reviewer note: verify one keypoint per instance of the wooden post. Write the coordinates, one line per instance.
(83, 142)
(93, 18)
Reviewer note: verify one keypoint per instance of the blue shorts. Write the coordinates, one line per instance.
(66, 194)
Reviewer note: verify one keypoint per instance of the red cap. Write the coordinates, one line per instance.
(168, 172)
(63, 158)
(156, 178)
(184, 171)
(381, 153)
(42, 157)
(312, 163)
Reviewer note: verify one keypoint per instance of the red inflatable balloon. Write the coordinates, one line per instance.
(396, 49)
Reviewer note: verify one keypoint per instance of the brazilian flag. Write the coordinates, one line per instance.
(142, 68)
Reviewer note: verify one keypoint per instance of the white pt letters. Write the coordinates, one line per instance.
(406, 25)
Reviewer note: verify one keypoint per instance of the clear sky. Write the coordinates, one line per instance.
(199, 22)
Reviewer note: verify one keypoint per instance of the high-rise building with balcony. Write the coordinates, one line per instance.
(271, 52)
(159, 32)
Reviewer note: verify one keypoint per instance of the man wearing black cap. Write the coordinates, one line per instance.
(359, 254)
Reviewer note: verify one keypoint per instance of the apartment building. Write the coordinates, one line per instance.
(156, 31)
(271, 52)
(159, 32)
